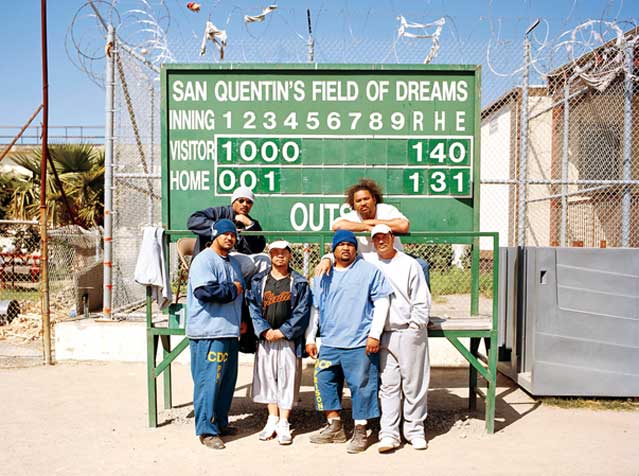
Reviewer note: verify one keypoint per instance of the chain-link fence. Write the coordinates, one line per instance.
(556, 156)
(75, 271)
(19, 269)
(579, 187)
(75, 276)
(450, 274)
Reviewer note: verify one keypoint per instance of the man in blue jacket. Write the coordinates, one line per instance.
(279, 302)
(214, 307)
(238, 211)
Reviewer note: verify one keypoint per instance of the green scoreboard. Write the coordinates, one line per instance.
(299, 135)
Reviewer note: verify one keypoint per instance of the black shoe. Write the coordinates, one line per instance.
(212, 441)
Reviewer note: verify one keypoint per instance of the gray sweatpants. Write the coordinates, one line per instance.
(276, 374)
(405, 375)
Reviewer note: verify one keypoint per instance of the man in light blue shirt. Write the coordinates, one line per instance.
(350, 309)
(214, 312)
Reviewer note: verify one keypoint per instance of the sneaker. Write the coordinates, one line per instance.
(419, 443)
(359, 442)
(284, 433)
(331, 433)
(387, 444)
(269, 430)
(212, 441)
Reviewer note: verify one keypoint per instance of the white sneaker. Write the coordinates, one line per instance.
(269, 430)
(387, 444)
(283, 431)
(419, 443)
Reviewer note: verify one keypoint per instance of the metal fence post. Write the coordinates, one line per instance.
(523, 148)
(310, 42)
(627, 144)
(564, 160)
(151, 170)
(108, 173)
(523, 141)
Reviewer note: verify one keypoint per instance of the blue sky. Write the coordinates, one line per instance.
(76, 100)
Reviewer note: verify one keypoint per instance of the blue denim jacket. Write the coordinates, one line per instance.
(301, 301)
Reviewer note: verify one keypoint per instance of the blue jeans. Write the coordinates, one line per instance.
(214, 372)
(361, 372)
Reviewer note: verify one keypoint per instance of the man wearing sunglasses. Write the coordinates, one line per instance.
(238, 211)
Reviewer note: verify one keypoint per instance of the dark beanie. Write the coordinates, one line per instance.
(343, 236)
(223, 226)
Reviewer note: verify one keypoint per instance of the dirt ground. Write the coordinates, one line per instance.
(91, 418)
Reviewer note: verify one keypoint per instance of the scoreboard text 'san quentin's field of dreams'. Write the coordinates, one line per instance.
(299, 135)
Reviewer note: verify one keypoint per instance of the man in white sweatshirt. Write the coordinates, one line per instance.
(404, 364)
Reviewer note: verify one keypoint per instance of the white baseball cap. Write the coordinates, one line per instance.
(381, 228)
(279, 245)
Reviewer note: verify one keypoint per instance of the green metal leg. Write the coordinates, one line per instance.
(151, 351)
(474, 280)
(168, 395)
(492, 384)
(472, 375)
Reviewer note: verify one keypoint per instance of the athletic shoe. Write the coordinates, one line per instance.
(269, 430)
(419, 443)
(212, 441)
(331, 433)
(284, 433)
(359, 442)
(387, 444)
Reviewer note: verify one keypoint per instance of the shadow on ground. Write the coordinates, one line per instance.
(447, 403)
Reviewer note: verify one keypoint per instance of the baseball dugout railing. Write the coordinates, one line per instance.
(472, 324)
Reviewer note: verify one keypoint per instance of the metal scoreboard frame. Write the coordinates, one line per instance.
(299, 135)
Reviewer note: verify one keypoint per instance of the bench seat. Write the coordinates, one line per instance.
(475, 323)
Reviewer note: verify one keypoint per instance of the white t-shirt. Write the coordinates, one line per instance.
(383, 211)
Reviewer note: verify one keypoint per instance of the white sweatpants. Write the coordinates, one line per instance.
(405, 375)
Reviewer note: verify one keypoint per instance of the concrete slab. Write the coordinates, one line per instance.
(125, 341)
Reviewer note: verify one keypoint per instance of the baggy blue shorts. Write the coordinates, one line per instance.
(361, 373)
(214, 372)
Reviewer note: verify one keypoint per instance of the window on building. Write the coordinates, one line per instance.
(599, 151)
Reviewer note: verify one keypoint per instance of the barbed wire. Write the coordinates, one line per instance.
(605, 40)
(142, 27)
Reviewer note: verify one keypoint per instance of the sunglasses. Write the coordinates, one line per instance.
(245, 200)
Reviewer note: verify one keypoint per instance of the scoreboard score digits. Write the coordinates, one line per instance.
(431, 166)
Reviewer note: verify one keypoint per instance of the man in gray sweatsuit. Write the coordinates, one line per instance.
(404, 365)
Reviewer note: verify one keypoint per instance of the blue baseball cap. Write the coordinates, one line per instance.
(223, 226)
(342, 236)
